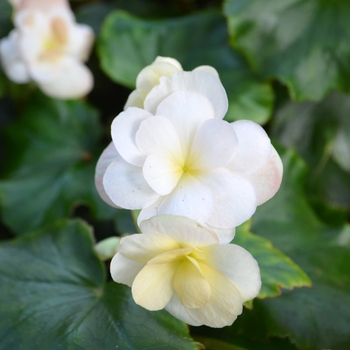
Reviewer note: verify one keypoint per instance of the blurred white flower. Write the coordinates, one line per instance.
(178, 265)
(149, 77)
(48, 47)
(185, 160)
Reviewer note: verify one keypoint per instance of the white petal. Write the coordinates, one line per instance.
(208, 69)
(204, 83)
(213, 146)
(142, 248)
(161, 173)
(149, 211)
(175, 308)
(157, 135)
(169, 60)
(190, 198)
(235, 198)
(152, 287)
(123, 130)
(267, 180)
(126, 187)
(225, 301)
(225, 235)
(254, 148)
(237, 265)
(106, 158)
(81, 38)
(134, 100)
(124, 270)
(187, 111)
(180, 229)
(75, 80)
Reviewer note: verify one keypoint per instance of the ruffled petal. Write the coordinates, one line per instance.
(225, 302)
(142, 248)
(254, 149)
(267, 180)
(202, 82)
(106, 158)
(236, 264)
(213, 146)
(124, 128)
(124, 270)
(187, 111)
(152, 287)
(126, 187)
(180, 229)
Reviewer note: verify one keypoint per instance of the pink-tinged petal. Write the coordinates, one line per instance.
(208, 69)
(161, 173)
(236, 264)
(124, 128)
(201, 82)
(106, 158)
(126, 187)
(213, 146)
(152, 287)
(175, 308)
(124, 270)
(225, 302)
(134, 100)
(235, 198)
(254, 147)
(157, 135)
(43, 5)
(225, 235)
(187, 111)
(190, 198)
(180, 229)
(143, 248)
(267, 180)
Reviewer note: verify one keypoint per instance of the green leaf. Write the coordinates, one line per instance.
(317, 317)
(214, 344)
(320, 132)
(277, 270)
(128, 44)
(51, 164)
(298, 41)
(54, 296)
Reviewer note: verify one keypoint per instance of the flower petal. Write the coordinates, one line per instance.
(124, 128)
(180, 229)
(124, 270)
(190, 285)
(235, 198)
(152, 287)
(254, 148)
(267, 180)
(126, 187)
(225, 302)
(143, 248)
(213, 146)
(106, 158)
(175, 308)
(161, 173)
(238, 265)
(208, 69)
(134, 100)
(202, 82)
(225, 235)
(190, 198)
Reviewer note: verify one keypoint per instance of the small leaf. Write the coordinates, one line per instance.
(128, 44)
(54, 295)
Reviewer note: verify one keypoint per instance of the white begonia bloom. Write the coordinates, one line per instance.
(149, 77)
(185, 160)
(178, 265)
(48, 47)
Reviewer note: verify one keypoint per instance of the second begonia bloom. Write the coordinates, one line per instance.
(185, 160)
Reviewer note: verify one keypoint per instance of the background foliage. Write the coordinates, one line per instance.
(284, 64)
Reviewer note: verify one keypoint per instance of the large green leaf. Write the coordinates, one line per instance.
(128, 43)
(50, 164)
(301, 42)
(54, 296)
(277, 270)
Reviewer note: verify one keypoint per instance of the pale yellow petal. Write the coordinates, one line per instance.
(173, 255)
(152, 287)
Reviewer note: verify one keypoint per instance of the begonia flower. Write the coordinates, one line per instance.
(48, 47)
(149, 77)
(178, 265)
(177, 156)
